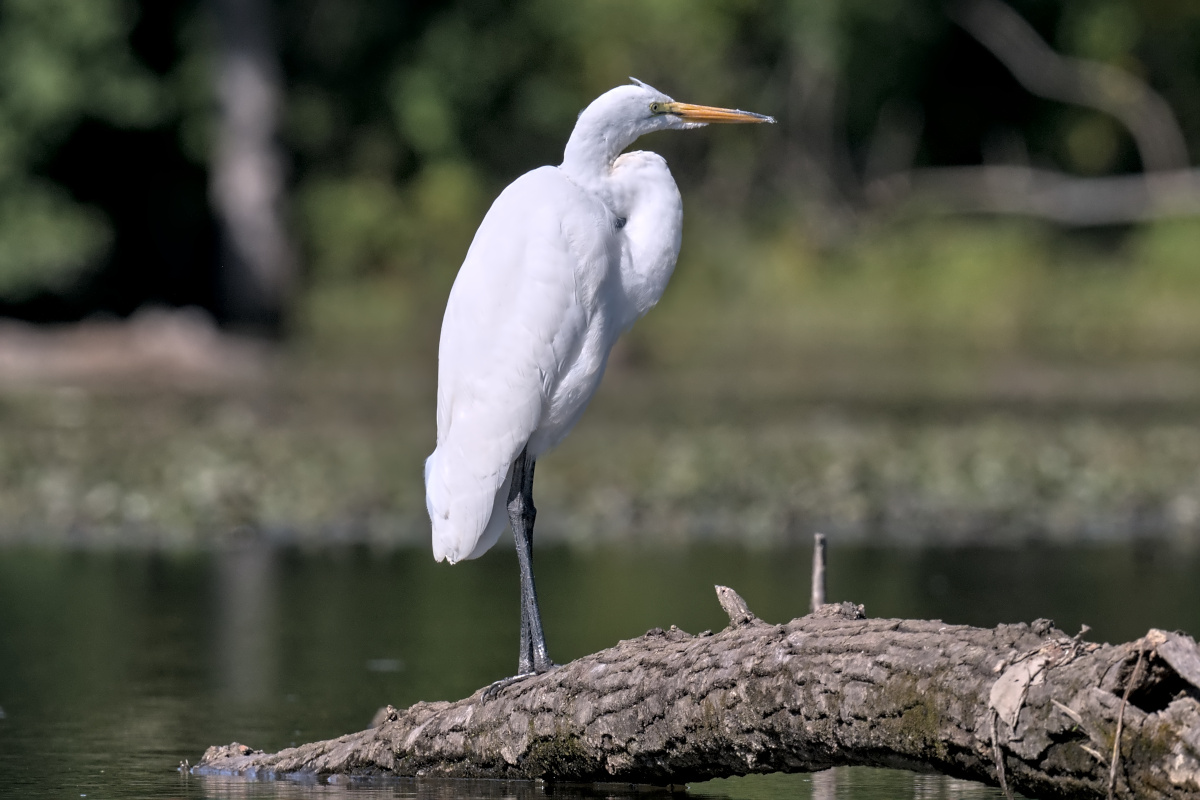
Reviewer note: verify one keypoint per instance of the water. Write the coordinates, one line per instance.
(115, 666)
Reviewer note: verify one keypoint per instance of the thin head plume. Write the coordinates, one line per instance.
(643, 84)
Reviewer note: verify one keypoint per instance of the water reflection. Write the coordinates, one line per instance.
(116, 666)
(224, 788)
(246, 618)
(824, 784)
(842, 783)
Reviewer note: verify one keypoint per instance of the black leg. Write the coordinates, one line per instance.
(521, 515)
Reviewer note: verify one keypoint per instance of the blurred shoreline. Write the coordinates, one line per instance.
(125, 445)
(155, 347)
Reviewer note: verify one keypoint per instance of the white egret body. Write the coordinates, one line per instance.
(566, 260)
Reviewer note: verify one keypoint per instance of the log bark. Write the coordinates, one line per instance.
(1023, 706)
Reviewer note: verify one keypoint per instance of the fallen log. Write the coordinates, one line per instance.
(1024, 707)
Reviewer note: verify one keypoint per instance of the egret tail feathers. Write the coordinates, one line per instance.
(468, 512)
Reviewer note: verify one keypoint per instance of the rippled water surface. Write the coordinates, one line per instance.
(117, 666)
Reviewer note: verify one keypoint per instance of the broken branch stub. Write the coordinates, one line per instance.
(737, 609)
(818, 572)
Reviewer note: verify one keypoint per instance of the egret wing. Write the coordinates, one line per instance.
(512, 322)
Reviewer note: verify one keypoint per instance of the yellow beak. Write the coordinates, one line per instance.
(693, 113)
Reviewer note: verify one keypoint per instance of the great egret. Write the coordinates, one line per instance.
(566, 259)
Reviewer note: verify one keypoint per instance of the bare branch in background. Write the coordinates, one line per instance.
(1047, 74)
(1168, 187)
(1055, 196)
(247, 175)
(894, 142)
(815, 157)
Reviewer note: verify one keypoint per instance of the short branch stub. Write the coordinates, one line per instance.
(739, 613)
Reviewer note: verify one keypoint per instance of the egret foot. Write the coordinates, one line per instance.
(495, 687)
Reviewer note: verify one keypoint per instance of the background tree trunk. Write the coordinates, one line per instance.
(257, 260)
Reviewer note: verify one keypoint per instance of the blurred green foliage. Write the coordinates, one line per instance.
(402, 121)
(394, 173)
(60, 61)
(985, 288)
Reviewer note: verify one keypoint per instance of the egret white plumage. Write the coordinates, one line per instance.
(566, 259)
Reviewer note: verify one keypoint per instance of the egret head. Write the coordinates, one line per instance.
(619, 116)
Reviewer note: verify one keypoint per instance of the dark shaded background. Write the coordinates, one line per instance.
(401, 120)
